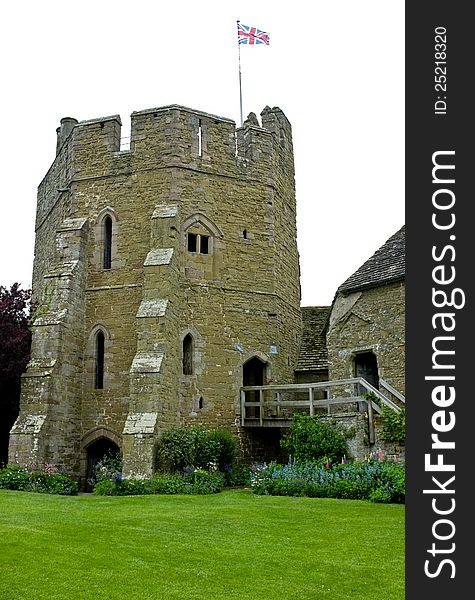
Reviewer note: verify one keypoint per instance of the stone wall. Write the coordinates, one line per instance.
(370, 320)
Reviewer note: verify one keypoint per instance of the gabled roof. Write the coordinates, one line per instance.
(313, 349)
(385, 266)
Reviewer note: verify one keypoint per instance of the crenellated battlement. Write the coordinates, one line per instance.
(174, 136)
(168, 136)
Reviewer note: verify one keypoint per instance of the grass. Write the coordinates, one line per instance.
(219, 547)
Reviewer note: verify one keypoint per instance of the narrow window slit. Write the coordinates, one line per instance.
(188, 355)
(200, 139)
(204, 244)
(107, 239)
(99, 375)
(192, 242)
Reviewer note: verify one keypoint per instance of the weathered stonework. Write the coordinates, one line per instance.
(371, 320)
(121, 286)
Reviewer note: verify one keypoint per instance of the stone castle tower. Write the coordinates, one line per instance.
(167, 277)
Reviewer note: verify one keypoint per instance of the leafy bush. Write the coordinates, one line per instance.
(394, 425)
(14, 478)
(378, 482)
(310, 439)
(56, 483)
(205, 482)
(176, 449)
(169, 484)
(381, 495)
(198, 481)
(106, 487)
(237, 475)
(46, 481)
(226, 447)
(182, 447)
(117, 485)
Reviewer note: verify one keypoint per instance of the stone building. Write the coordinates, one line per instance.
(366, 327)
(167, 276)
(362, 334)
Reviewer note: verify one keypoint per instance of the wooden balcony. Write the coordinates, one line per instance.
(274, 405)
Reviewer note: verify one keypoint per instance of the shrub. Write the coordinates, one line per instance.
(14, 478)
(169, 484)
(226, 447)
(182, 447)
(176, 449)
(52, 483)
(198, 481)
(106, 487)
(43, 481)
(237, 475)
(205, 482)
(394, 425)
(310, 439)
(380, 495)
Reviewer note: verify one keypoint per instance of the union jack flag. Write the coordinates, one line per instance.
(251, 35)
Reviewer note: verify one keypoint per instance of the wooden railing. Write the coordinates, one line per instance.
(267, 405)
(393, 391)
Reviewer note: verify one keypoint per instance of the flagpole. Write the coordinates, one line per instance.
(240, 86)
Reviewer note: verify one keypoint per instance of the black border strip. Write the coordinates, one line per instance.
(438, 545)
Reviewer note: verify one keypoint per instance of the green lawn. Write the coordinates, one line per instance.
(229, 545)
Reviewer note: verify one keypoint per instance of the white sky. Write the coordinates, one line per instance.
(336, 69)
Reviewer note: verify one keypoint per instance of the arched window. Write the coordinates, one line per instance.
(106, 235)
(200, 234)
(99, 361)
(188, 355)
(107, 242)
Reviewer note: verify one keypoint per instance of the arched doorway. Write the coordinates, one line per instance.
(253, 373)
(366, 366)
(96, 451)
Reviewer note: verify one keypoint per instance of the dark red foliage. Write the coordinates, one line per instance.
(15, 335)
(15, 342)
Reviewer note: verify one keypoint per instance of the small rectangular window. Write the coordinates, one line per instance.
(204, 244)
(192, 237)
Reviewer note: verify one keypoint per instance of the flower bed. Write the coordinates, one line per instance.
(374, 481)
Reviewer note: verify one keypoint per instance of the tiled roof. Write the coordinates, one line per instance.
(313, 349)
(385, 266)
